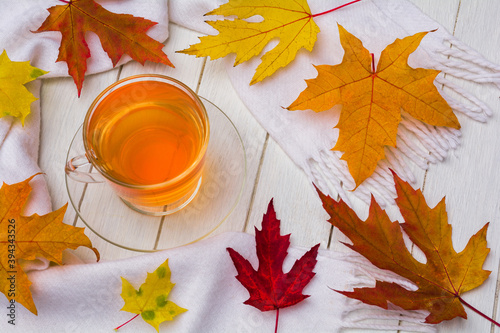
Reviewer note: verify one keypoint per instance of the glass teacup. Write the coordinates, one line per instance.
(146, 136)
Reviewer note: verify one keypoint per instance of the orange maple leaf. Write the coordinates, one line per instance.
(372, 99)
(23, 237)
(119, 34)
(441, 280)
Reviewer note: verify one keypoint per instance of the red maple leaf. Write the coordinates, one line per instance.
(119, 34)
(269, 287)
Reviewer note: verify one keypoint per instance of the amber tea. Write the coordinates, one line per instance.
(148, 135)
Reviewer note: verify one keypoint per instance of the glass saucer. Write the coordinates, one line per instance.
(104, 213)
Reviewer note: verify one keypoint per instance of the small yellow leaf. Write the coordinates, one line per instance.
(372, 100)
(15, 99)
(289, 21)
(150, 301)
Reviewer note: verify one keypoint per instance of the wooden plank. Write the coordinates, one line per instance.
(216, 86)
(469, 178)
(222, 182)
(295, 200)
(217, 195)
(62, 114)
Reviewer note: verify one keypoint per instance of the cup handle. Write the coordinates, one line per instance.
(74, 172)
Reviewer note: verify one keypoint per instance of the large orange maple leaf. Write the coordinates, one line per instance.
(372, 100)
(29, 237)
(119, 34)
(440, 281)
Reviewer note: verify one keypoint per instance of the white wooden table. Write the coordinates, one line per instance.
(469, 177)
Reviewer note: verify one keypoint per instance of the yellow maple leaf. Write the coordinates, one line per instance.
(372, 99)
(15, 99)
(150, 301)
(29, 237)
(290, 21)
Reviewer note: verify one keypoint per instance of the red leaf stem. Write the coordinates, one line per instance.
(128, 321)
(477, 311)
(277, 317)
(336, 8)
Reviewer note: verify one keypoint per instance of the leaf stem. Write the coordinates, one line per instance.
(477, 311)
(68, 2)
(373, 62)
(137, 315)
(336, 8)
(277, 316)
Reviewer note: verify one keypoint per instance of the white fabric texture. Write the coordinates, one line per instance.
(86, 298)
(307, 137)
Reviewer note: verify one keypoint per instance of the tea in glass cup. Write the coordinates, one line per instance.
(147, 136)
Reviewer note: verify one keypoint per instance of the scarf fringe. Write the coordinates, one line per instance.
(461, 51)
(363, 316)
(417, 143)
(359, 315)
